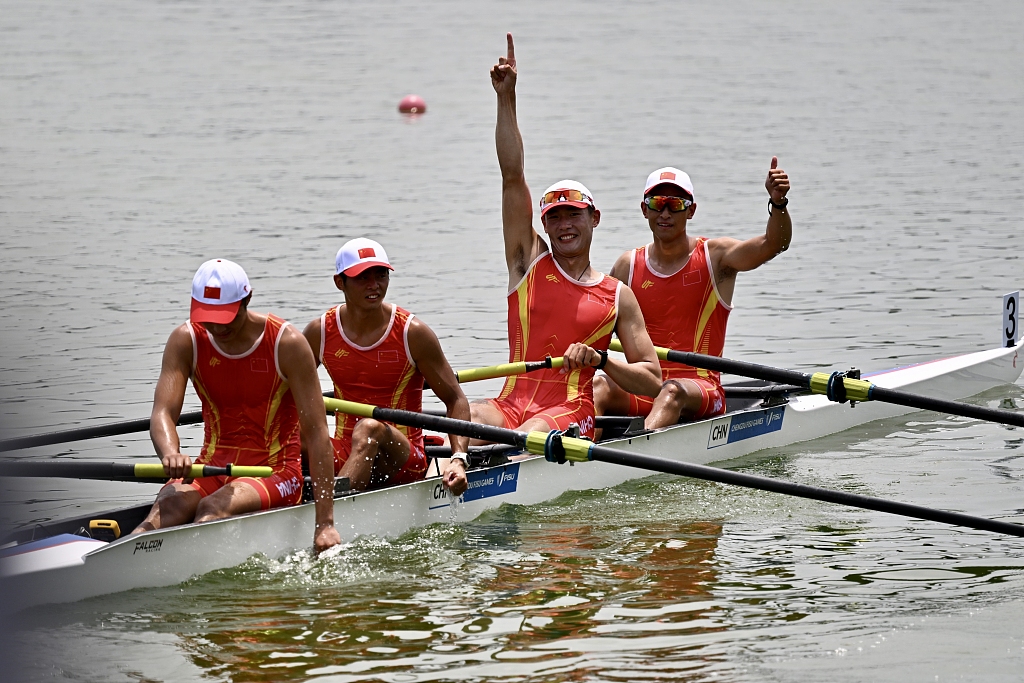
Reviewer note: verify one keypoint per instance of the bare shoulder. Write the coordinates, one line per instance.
(421, 337)
(180, 340)
(620, 271)
(293, 346)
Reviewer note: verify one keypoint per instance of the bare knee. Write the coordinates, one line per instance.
(368, 429)
(602, 392)
(673, 394)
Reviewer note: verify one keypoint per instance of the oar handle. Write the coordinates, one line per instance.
(507, 369)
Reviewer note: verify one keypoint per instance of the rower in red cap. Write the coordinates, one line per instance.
(258, 385)
(685, 285)
(558, 305)
(379, 353)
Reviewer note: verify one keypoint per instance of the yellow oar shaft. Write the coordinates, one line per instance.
(507, 369)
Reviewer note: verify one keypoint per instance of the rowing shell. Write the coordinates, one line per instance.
(58, 566)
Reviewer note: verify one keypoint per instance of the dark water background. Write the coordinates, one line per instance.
(139, 139)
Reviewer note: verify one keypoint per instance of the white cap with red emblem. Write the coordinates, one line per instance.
(357, 255)
(566, 193)
(217, 291)
(669, 176)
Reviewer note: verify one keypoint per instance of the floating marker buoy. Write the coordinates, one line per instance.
(412, 104)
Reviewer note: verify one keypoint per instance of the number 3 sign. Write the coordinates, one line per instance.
(1011, 318)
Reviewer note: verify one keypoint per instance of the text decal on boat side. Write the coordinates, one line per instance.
(482, 484)
(745, 426)
(148, 546)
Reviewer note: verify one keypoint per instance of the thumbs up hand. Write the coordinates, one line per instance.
(777, 182)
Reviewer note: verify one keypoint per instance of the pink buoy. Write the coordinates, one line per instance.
(412, 104)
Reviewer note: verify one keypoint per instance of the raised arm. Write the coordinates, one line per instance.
(730, 256)
(431, 361)
(522, 243)
(175, 369)
(299, 370)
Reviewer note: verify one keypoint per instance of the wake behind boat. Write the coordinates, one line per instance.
(50, 563)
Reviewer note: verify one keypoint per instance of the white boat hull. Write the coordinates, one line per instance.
(81, 568)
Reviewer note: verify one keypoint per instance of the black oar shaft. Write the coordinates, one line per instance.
(939, 405)
(647, 462)
(742, 368)
(449, 425)
(115, 429)
(68, 470)
(620, 457)
(875, 393)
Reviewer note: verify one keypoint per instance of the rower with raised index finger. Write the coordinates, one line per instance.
(257, 382)
(558, 305)
(379, 354)
(684, 285)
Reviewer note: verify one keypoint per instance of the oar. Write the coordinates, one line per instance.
(121, 471)
(836, 386)
(508, 369)
(557, 447)
(196, 416)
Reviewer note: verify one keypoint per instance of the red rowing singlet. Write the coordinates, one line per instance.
(249, 416)
(382, 374)
(683, 311)
(547, 312)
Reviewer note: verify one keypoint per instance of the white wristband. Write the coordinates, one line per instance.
(463, 457)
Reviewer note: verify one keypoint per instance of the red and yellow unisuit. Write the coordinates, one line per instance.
(683, 311)
(382, 374)
(547, 312)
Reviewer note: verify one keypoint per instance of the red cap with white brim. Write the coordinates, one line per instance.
(669, 176)
(359, 254)
(217, 291)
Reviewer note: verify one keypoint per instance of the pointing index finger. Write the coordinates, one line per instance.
(511, 49)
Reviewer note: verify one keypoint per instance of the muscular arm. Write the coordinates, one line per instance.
(641, 371)
(620, 271)
(312, 334)
(168, 398)
(299, 370)
(431, 361)
(522, 243)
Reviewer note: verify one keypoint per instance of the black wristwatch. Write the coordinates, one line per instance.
(604, 360)
(785, 201)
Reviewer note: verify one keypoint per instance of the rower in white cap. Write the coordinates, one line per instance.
(558, 305)
(258, 385)
(379, 353)
(685, 285)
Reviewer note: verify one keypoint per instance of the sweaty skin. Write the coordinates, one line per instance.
(378, 451)
(181, 504)
(669, 252)
(570, 231)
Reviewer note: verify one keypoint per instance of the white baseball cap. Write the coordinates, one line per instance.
(217, 291)
(357, 255)
(566, 193)
(669, 176)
